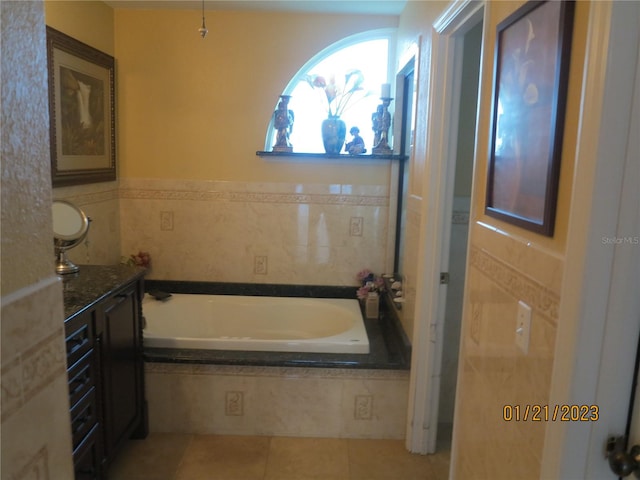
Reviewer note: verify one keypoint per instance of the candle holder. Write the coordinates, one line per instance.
(381, 120)
(283, 122)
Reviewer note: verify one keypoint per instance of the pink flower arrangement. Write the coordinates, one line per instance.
(140, 259)
(339, 96)
(369, 283)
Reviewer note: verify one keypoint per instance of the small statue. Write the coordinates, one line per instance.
(355, 146)
(381, 123)
(283, 121)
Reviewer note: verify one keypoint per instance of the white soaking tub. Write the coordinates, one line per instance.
(274, 324)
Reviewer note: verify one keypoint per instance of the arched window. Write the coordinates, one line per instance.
(361, 59)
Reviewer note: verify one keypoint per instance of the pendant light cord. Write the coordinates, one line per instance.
(203, 30)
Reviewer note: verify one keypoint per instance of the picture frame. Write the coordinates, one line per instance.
(81, 111)
(531, 70)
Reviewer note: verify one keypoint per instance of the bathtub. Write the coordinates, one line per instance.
(274, 324)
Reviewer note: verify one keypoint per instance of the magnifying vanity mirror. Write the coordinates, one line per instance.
(70, 227)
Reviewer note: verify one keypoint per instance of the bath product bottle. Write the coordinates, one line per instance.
(371, 306)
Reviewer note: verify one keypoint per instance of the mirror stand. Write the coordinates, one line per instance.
(70, 227)
(64, 266)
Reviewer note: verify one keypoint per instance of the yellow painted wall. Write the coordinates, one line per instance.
(190, 108)
(498, 11)
(90, 22)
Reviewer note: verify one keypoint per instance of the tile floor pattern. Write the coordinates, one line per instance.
(169, 456)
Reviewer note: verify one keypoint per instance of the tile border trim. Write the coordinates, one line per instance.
(256, 197)
(516, 283)
(29, 373)
(89, 198)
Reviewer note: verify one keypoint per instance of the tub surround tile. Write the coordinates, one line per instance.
(220, 227)
(87, 194)
(299, 406)
(283, 394)
(371, 405)
(276, 401)
(169, 191)
(100, 202)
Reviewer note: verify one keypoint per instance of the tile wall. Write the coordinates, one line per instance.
(493, 371)
(281, 401)
(100, 203)
(35, 444)
(35, 423)
(255, 232)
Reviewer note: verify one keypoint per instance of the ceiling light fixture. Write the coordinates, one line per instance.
(203, 30)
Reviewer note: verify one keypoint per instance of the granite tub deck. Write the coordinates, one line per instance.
(389, 348)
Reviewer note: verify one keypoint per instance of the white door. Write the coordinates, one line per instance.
(628, 243)
(437, 207)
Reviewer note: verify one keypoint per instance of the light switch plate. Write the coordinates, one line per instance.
(523, 326)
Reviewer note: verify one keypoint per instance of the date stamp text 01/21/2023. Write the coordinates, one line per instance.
(547, 413)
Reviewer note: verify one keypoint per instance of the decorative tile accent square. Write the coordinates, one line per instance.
(166, 221)
(234, 404)
(363, 407)
(260, 265)
(36, 467)
(356, 226)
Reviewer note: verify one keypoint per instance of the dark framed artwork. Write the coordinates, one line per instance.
(531, 69)
(81, 110)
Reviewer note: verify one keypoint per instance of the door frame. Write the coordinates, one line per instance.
(447, 35)
(598, 317)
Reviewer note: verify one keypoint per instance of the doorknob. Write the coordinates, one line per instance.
(623, 463)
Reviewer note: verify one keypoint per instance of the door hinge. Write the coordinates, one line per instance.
(444, 278)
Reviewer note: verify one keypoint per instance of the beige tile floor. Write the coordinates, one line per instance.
(168, 456)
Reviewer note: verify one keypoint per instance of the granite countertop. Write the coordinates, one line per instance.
(93, 283)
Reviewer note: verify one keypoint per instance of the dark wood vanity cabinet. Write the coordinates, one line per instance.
(106, 378)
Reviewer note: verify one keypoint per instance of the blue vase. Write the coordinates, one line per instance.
(334, 131)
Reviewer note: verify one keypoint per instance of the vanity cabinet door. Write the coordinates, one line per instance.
(122, 368)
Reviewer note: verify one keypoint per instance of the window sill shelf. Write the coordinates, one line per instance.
(330, 156)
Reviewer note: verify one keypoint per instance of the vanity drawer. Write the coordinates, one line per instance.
(79, 334)
(87, 457)
(82, 376)
(84, 416)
